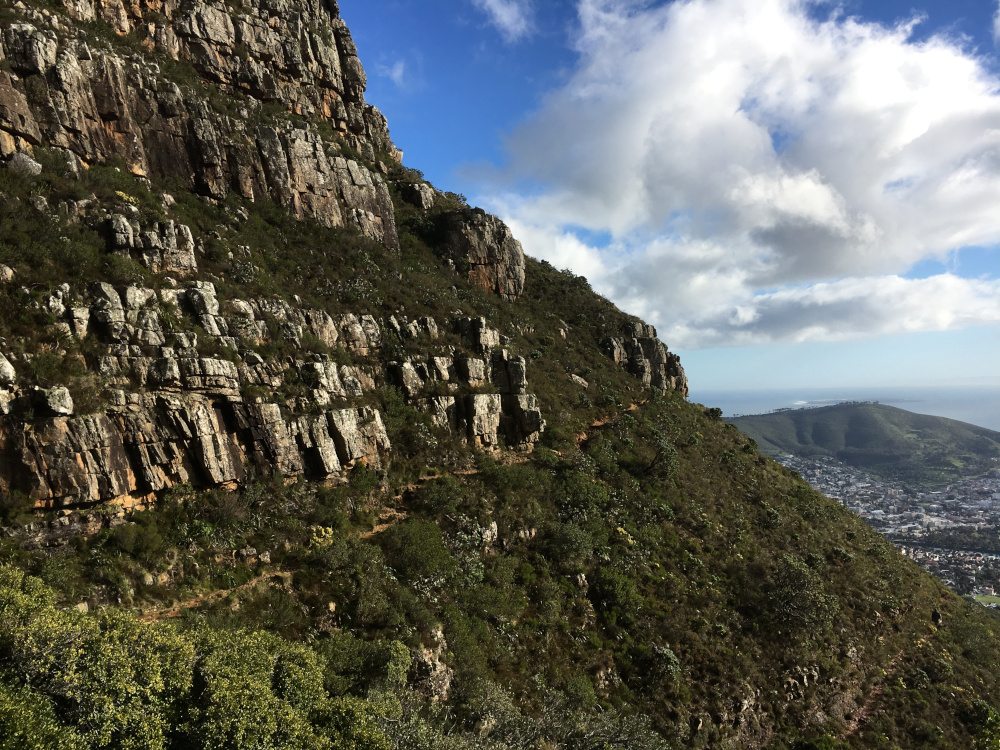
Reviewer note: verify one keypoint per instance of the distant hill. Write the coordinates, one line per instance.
(889, 442)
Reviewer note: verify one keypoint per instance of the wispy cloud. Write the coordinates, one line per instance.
(763, 175)
(395, 72)
(513, 18)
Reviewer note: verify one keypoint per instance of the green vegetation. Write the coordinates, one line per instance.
(124, 684)
(606, 593)
(888, 442)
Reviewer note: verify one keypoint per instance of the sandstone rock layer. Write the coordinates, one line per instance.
(646, 357)
(494, 257)
(227, 129)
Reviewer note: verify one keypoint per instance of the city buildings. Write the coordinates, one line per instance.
(912, 517)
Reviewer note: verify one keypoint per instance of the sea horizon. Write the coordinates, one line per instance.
(975, 404)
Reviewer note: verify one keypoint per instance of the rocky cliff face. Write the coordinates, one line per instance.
(178, 416)
(645, 356)
(226, 128)
(167, 327)
(495, 258)
(262, 100)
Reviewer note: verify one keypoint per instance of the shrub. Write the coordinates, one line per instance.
(666, 666)
(28, 722)
(358, 666)
(440, 497)
(14, 507)
(614, 595)
(142, 542)
(363, 481)
(984, 723)
(567, 542)
(115, 678)
(580, 690)
(796, 598)
(415, 549)
(233, 704)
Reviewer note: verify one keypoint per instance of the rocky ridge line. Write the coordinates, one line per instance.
(642, 354)
(238, 125)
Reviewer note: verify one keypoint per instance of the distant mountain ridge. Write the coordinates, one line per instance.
(888, 441)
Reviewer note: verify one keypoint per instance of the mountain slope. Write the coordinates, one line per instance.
(298, 451)
(883, 439)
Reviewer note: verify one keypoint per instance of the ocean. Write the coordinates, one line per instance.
(978, 405)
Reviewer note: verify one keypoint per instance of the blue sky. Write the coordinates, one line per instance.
(795, 193)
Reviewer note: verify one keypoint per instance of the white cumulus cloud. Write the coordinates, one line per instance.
(395, 72)
(511, 17)
(764, 175)
(849, 309)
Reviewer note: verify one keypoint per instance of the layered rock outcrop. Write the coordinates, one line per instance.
(646, 357)
(228, 129)
(494, 258)
(150, 442)
(193, 402)
(509, 417)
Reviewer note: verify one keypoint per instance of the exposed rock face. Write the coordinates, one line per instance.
(511, 418)
(66, 526)
(521, 419)
(420, 194)
(54, 401)
(177, 415)
(97, 105)
(495, 258)
(148, 443)
(509, 373)
(477, 335)
(481, 415)
(431, 675)
(24, 164)
(163, 247)
(645, 356)
(7, 372)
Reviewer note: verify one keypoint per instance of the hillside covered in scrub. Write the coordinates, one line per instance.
(297, 451)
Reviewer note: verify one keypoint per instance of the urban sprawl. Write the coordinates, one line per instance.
(906, 515)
